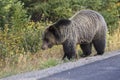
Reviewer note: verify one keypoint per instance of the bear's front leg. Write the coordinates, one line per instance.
(69, 50)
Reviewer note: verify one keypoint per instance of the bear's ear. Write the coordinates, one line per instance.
(55, 32)
(62, 22)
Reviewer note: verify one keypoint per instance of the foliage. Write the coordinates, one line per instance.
(9, 43)
(32, 37)
(12, 13)
(48, 9)
(53, 10)
(20, 42)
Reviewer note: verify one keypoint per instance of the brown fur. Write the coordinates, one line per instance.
(87, 27)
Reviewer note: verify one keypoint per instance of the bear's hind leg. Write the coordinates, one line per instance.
(99, 46)
(86, 48)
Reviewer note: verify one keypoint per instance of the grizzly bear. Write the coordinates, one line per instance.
(86, 28)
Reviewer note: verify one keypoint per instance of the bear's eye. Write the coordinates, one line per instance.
(47, 40)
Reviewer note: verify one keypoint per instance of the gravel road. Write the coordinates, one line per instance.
(107, 69)
(39, 75)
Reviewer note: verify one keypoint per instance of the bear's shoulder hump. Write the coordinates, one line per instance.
(62, 22)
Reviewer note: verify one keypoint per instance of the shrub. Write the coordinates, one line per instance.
(53, 10)
(12, 13)
(14, 42)
(32, 37)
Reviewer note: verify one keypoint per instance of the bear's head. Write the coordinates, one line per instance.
(52, 35)
(48, 39)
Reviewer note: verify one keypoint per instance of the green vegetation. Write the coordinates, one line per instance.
(23, 21)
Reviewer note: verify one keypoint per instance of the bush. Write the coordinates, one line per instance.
(53, 10)
(14, 42)
(9, 43)
(32, 37)
(12, 13)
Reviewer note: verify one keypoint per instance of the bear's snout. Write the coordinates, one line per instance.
(44, 47)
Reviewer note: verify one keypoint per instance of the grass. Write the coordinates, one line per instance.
(113, 41)
(45, 59)
(31, 62)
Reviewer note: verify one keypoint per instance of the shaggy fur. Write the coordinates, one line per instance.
(86, 27)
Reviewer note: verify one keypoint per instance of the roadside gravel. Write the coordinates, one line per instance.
(35, 75)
